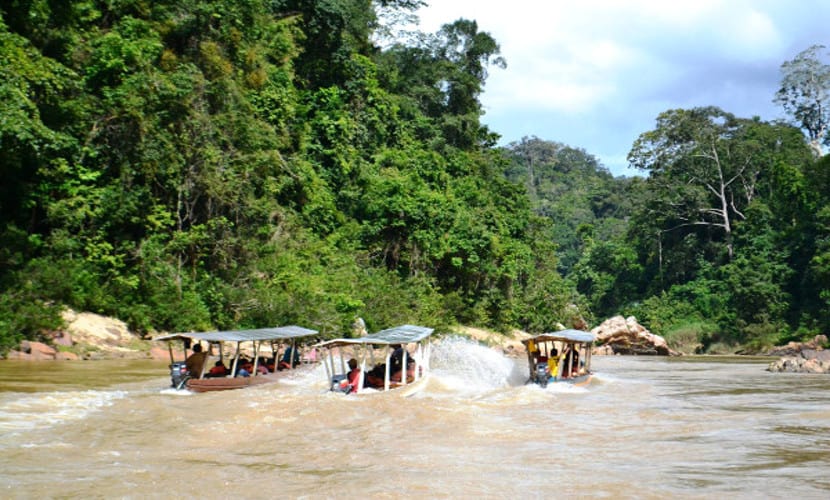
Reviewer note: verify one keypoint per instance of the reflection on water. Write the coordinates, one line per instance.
(646, 428)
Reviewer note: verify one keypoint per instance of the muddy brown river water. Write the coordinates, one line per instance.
(691, 427)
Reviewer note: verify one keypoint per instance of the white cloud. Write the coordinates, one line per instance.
(596, 73)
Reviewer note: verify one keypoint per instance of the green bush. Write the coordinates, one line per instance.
(762, 336)
(689, 337)
(24, 316)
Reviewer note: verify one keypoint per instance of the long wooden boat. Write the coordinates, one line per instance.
(202, 378)
(560, 357)
(395, 359)
(227, 383)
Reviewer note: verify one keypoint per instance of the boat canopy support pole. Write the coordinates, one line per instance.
(331, 360)
(235, 360)
(293, 352)
(205, 361)
(256, 358)
(170, 350)
(571, 360)
(588, 358)
(419, 356)
(362, 373)
(386, 373)
(404, 371)
(329, 375)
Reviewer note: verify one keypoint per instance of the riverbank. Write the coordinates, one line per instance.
(90, 336)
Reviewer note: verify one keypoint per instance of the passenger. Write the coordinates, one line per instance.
(286, 359)
(566, 367)
(553, 363)
(570, 369)
(352, 381)
(396, 360)
(196, 361)
(218, 370)
(374, 378)
(261, 367)
(410, 374)
(244, 367)
(270, 363)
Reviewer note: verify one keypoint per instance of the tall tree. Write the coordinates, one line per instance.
(445, 75)
(705, 166)
(805, 95)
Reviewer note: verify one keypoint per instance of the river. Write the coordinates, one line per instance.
(647, 427)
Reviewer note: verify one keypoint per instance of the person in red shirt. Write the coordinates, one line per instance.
(218, 370)
(352, 382)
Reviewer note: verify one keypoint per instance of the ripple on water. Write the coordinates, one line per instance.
(645, 428)
(29, 411)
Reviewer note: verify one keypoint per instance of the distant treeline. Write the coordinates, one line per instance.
(209, 164)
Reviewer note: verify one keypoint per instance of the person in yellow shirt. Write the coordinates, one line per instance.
(553, 363)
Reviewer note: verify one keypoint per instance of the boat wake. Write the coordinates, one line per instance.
(46, 409)
(170, 391)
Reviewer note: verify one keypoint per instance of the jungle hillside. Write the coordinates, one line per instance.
(214, 164)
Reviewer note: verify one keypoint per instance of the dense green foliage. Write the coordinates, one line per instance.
(721, 245)
(189, 165)
(209, 164)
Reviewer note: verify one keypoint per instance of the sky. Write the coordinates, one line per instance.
(595, 74)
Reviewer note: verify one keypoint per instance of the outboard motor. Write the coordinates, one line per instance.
(542, 374)
(337, 383)
(179, 374)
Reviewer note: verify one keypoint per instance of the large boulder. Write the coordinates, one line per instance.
(102, 337)
(620, 335)
(37, 351)
(33, 351)
(806, 357)
(18, 355)
(799, 364)
(795, 348)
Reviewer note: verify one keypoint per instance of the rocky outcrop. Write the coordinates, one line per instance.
(802, 357)
(620, 335)
(92, 335)
(93, 329)
(33, 351)
(795, 348)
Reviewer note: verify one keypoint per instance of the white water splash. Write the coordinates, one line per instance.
(51, 408)
(465, 366)
(170, 391)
